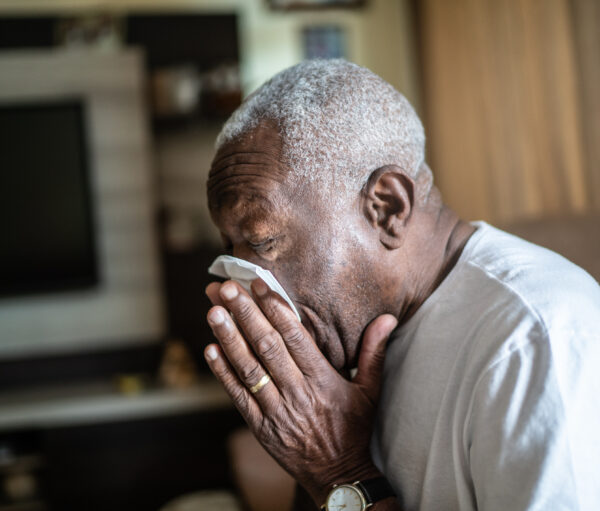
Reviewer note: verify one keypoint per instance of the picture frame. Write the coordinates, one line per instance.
(314, 4)
(324, 42)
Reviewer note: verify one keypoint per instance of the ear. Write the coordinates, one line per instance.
(387, 201)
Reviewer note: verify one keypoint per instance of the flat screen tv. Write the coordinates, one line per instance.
(47, 241)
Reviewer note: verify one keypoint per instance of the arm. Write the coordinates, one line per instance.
(315, 423)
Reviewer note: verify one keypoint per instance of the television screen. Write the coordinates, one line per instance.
(46, 228)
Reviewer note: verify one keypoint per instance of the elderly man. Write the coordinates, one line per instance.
(477, 353)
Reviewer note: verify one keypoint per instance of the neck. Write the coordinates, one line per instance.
(435, 245)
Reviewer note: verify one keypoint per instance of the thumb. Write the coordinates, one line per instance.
(372, 354)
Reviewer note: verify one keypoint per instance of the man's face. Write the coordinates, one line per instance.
(317, 253)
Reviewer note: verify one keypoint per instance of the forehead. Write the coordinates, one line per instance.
(248, 178)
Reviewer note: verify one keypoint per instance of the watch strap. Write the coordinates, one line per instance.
(375, 489)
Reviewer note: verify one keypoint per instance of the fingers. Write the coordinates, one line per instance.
(299, 343)
(372, 354)
(241, 358)
(242, 398)
(264, 339)
(212, 291)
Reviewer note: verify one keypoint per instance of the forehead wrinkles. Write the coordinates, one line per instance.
(247, 162)
(244, 172)
(244, 187)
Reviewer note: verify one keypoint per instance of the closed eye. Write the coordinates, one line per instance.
(263, 246)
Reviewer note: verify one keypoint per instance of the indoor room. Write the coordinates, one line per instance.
(109, 115)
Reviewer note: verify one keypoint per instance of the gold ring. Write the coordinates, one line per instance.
(261, 383)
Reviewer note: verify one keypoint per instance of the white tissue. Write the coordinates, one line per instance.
(244, 272)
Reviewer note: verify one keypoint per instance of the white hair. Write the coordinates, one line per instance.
(338, 123)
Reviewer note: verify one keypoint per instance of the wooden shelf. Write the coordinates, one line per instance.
(25, 463)
(96, 403)
(34, 505)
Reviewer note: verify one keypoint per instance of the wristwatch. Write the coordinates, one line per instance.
(357, 496)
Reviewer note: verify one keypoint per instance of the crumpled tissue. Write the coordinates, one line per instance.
(244, 272)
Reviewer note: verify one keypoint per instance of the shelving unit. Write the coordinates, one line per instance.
(91, 447)
(20, 475)
(34, 505)
(100, 402)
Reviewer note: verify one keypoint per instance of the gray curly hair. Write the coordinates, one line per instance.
(338, 123)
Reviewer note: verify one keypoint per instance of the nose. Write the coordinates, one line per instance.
(242, 251)
(246, 253)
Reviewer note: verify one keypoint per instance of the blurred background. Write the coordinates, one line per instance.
(108, 114)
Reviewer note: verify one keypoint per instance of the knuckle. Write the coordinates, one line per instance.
(276, 307)
(270, 306)
(240, 397)
(266, 434)
(268, 346)
(250, 373)
(228, 338)
(222, 373)
(304, 401)
(244, 311)
(294, 338)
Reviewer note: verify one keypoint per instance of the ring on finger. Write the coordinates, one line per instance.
(261, 383)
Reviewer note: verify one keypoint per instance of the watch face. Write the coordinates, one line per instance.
(345, 498)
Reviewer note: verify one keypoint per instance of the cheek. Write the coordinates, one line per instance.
(316, 266)
(307, 276)
(326, 282)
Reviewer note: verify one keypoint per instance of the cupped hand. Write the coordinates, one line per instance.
(314, 422)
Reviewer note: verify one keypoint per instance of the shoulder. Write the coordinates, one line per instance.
(538, 336)
(557, 296)
(505, 294)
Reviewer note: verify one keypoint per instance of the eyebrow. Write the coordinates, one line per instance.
(238, 190)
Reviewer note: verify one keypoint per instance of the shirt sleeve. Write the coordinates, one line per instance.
(533, 428)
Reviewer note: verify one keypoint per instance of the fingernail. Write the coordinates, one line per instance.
(211, 353)
(229, 291)
(216, 317)
(260, 288)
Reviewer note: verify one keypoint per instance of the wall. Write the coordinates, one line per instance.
(379, 34)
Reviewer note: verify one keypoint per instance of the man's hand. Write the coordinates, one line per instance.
(314, 422)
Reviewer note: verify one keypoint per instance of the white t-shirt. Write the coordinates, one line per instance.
(491, 393)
